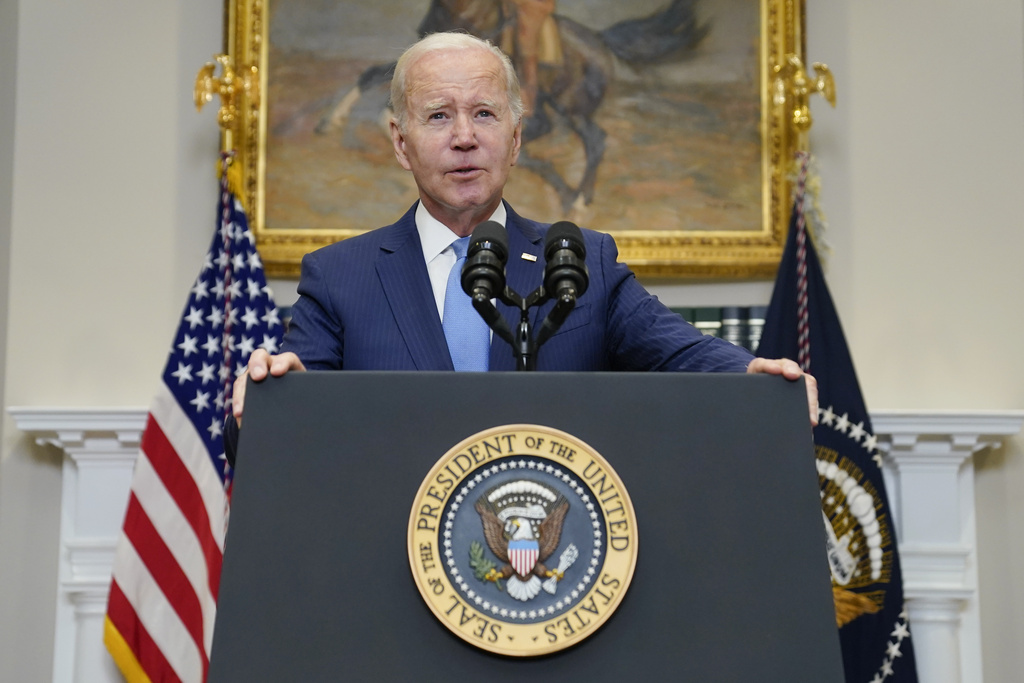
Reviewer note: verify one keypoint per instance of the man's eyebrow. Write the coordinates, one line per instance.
(441, 104)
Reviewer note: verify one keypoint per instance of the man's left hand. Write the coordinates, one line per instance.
(791, 371)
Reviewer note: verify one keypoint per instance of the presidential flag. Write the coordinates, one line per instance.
(163, 595)
(867, 585)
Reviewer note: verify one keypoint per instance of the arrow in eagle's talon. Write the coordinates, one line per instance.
(566, 560)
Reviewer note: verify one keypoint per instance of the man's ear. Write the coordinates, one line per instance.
(398, 141)
(517, 141)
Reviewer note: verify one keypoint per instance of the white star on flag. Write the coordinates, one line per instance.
(271, 318)
(207, 373)
(194, 317)
(250, 318)
(201, 401)
(188, 346)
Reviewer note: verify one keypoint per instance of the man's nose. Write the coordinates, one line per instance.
(463, 133)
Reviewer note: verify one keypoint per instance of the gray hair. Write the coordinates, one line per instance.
(438, 42)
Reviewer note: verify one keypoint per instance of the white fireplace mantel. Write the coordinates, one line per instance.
(100, 446)
(929, 473)
(930, 479)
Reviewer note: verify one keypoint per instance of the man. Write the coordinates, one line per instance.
(536, 41)
(377, 301)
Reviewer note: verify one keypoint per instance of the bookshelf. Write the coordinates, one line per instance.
(740, 325)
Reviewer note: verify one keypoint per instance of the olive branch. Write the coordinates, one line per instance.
(483, 568)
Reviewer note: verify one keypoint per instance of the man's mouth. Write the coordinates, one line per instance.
(464, 171)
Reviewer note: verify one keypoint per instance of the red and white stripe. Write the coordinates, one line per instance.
(167, 567)
(523, 560)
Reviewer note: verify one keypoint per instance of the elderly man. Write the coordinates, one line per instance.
(381, 301)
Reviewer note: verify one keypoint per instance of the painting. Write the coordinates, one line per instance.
(650, 120)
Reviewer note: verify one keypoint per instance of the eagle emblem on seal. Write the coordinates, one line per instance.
(522, 524)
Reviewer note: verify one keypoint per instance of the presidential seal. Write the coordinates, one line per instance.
(522, 540)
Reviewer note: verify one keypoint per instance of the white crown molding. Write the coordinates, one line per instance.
(71, 428)
(42, 419)
(970, 429)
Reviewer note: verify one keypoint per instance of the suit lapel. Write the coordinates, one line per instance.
(522, 276)
(403, 276)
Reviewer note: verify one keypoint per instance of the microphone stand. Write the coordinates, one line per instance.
(523, 344)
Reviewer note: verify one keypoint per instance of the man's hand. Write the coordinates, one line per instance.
(790, 370)
(262, 364)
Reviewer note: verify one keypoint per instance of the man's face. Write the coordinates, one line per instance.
(460, 140)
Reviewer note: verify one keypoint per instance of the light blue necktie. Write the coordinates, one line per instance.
(469, 338)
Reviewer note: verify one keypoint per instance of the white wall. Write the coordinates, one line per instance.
(107, 196)
(8, 62)
(112, 205)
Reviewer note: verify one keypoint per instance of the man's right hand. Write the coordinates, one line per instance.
(262, 364)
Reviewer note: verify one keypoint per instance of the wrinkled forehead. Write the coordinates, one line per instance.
(474, 72)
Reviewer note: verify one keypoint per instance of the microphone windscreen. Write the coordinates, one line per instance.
(493, 232)
(564, 232)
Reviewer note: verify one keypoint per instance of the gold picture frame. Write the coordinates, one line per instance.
(655, 251)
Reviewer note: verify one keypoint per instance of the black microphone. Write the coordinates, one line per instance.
(565, 274)
(483, 274)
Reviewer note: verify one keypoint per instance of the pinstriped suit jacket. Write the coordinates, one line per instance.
(366, 304)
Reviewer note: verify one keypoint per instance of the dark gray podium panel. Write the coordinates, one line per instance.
(731, 582)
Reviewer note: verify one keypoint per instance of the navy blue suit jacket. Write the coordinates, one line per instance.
(366, 304)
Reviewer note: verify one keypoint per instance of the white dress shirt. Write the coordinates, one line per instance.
(436, 239)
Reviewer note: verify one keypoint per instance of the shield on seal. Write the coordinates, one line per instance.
(522, 555)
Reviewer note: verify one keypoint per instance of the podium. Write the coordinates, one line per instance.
(731, 582)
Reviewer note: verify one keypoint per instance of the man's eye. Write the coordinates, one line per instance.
(437, 115)
(485, 113)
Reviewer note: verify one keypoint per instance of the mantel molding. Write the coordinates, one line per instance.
(967, 432)
(43, 419)
(77, 430)
(927, 462)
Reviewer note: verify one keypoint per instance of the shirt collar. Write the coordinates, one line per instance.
(435, 236)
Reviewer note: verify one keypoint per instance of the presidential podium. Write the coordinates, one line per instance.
(731, 581)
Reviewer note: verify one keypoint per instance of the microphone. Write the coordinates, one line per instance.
(483, 274)
(565, 274)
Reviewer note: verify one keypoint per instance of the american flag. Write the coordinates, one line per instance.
(163, 595)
